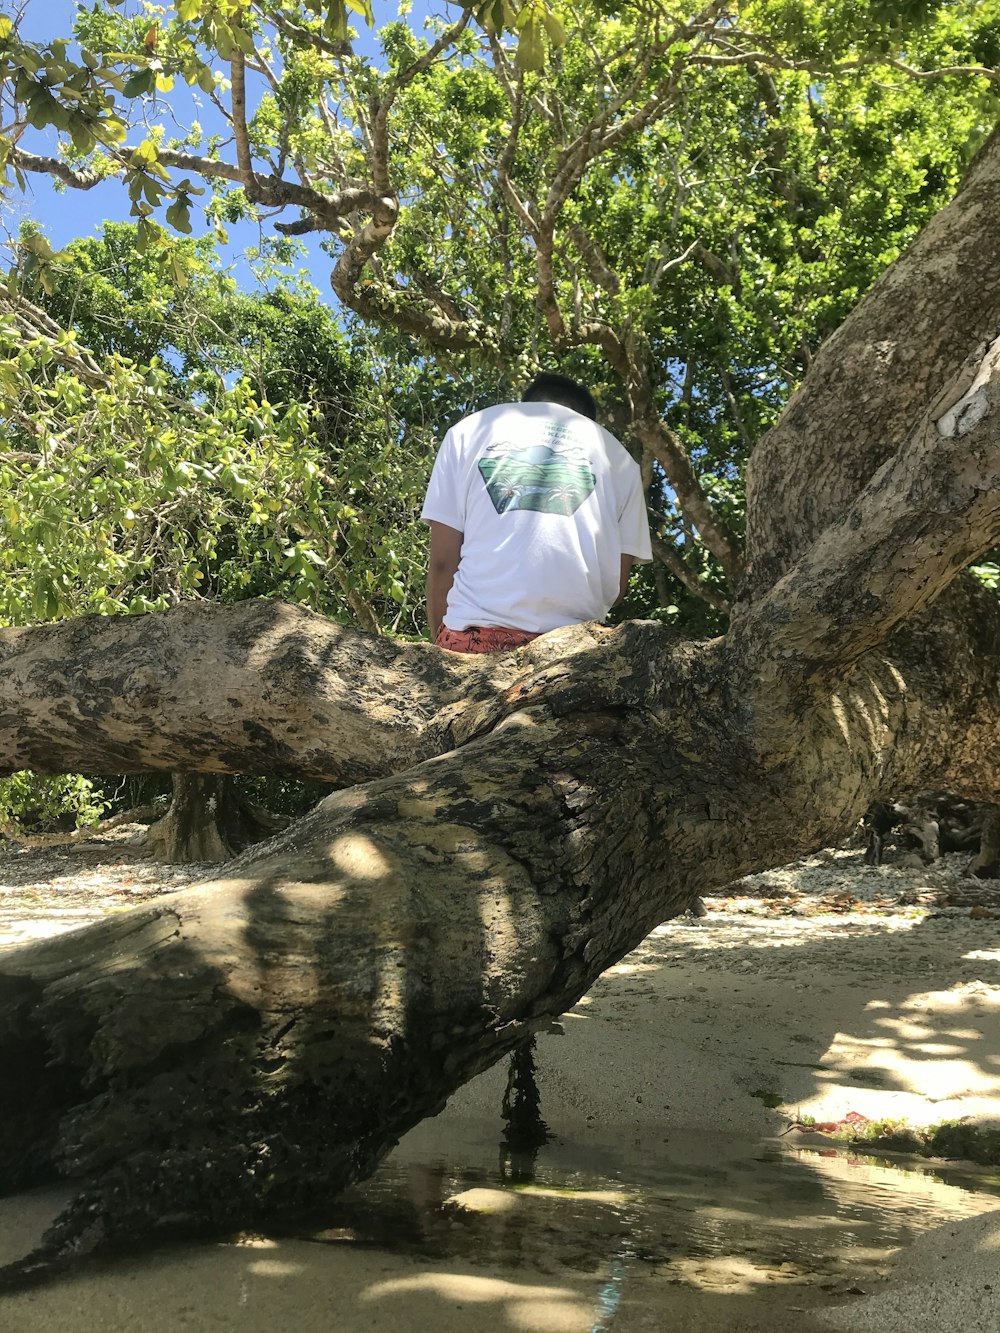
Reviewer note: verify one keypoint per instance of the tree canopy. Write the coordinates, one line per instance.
(677, 207)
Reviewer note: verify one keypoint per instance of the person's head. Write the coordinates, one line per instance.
(550, 388)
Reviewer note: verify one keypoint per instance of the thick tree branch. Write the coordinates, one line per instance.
(870, 381)
(272, 191)
(246, 688)
(356, 969)
(928, 512)
(238, 103)
(54, 166)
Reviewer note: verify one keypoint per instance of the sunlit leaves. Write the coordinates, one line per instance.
(725, 235)
(274, 482)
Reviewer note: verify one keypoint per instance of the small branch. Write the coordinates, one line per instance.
(595, 259)
(665, 265)
(301, 35)
(773, 60)
(546, 299)
(446, 39)
(515, 97)
(719, 270)
(32, 323)
(672, 560)
(672, 457)
(734, 409)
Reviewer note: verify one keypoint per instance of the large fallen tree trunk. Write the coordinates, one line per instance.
(244, 1048)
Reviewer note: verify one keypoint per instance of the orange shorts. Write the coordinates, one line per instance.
(482, 639)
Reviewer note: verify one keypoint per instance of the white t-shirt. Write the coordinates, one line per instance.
(548, 503)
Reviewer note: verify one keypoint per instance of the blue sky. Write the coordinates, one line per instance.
(68, 214)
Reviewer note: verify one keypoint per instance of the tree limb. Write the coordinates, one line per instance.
(212, 706)
(869, 382)
(672, 560)
(672, 457)
(238, 102)
(887, 557)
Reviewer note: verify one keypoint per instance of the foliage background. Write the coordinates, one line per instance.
(675, 209)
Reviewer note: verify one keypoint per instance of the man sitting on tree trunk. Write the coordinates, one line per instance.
(536, 514)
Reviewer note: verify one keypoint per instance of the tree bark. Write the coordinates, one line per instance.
(208, 820)
(987, 862)
(872, 378)
(243, 1048)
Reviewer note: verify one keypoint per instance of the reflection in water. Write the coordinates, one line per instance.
(524, 1130)
(646, 1216)
(707, 1213)
(613, 1235)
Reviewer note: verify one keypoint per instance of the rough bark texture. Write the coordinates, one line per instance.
(257, 687)
(872, 379)
(987, 862)
(246, 1047)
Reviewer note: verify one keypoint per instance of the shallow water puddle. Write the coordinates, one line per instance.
(697, 1209)
(694, 1233)
(700, 1232)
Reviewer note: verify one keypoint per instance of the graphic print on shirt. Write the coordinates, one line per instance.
(551, 477)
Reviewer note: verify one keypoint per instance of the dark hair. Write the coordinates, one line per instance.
(550, 388)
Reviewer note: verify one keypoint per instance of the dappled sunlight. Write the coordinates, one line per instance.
(275, 1268)
(610, 1198)
(738, 1275)
(840, 716)
(925, 1047)
(547, 1309)
(625, 969)
(770, 933)
(359, 857)
(501, 920)
(874, 727)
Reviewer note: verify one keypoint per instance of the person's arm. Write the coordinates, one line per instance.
(627, 562)
(633, 529)
(446, 551)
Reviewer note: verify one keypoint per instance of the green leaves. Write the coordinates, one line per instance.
(37, 261)
(274, 482)
(538, 29)
(179, 216)
(364, 8)
(536, 24)
(143, 81)
(724, 216)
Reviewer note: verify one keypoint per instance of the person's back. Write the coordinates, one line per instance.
(546, 512)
